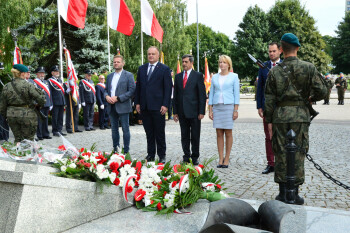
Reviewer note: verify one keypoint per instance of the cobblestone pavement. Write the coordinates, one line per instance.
(329, 146)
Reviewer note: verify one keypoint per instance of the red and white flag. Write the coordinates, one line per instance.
(17, 56)
(178, 69)
(119, 17)
(71, 76)
(207, 80)
(73, 11)
(149, 22)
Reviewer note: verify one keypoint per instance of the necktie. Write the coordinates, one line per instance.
(273, 64)
(185, 80)
(150, 72)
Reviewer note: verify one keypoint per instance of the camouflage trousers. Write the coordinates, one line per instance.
(279, 140)
(23, 127)
(328, 96)
(340, 93)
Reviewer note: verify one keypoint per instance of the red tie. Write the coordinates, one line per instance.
(185, 80)
(273, 64)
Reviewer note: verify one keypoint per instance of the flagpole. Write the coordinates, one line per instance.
(70, 95)
(141, 35)
(60, 43)
(197, 38)
(109, 46)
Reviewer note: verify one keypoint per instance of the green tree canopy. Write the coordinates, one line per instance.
(341, 55)
(211, 43)
(252, 37)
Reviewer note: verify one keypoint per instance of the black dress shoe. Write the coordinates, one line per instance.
(87, 129)
(56, 134)
(149, 158)
(162, 160)
(41, 138)
(195, 161)
(224, 166)
(102, 128)
(47, 137)
(185, 160)
(78, 131)
(268, 169)
(219, 166)
(92, 129)
(63, 134)
(69, 131)
(107, 127)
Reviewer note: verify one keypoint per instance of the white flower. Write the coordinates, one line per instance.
(101, 172)
(85, 157)
(94, 160)
(72, 165)
(63, 168)
(112, 176)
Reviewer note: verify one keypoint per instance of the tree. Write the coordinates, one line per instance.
(252, 37)
(289, 16)
(341, 55)
(211, 43)
(329, 41)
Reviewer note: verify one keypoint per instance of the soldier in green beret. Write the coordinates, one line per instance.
(15, 104)
(329, 84)
(290, 86)
(341, 84)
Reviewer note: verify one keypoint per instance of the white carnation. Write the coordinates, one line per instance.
(63, 168)
(72, 165)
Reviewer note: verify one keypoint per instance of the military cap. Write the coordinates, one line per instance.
(291, 39)
(326, 74)
(341, 73)
(88, 71)
(40, 69)
(21, 68)
(54, 68)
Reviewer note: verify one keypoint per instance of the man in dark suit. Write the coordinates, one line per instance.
(120, 88)
(43, 126)
(152, 99)
(57, 96)
(189, 107)
(87, 96)
(76, 105)
(274, 55)
(102, 103)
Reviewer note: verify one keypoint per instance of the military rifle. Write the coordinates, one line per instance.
(258, 62)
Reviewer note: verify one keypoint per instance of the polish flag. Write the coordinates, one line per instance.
(178, 69)
(17, 56)
(73, 11)
(71, 76)
(149, 22)
(207, 80)
(119, 17)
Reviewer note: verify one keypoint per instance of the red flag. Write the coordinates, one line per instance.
(207, 80)
(178, 70)
(149, 22)
(119, 17)
(73, 11)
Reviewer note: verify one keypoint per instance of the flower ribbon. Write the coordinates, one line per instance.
(199, 170)
(126, 184)
(177, 211)
(183, 180)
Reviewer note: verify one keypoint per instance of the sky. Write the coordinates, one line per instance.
(225, 15)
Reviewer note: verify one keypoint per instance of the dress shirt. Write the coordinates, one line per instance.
(114, 82)
(188, 74)
(275, 62)
(149, 66)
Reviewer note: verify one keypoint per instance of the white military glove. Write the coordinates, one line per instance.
(68, 90)
(51, 108)
(83, 103)
(79, 106)
(102, 106)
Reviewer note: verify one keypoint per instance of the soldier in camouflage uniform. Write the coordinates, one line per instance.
(21, 117)
(341, 85)
(329, 84)
(285, 109)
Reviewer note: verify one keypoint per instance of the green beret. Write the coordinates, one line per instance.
(291, 39)
(341, 73)
(326, 74)
(21, 68)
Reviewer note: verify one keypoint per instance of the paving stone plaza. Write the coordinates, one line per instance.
(329, 146)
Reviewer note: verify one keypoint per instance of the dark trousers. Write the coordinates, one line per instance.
(102, 117)
(268, 145)
(154, 125)
(88, 113)
(190, 134)
(170, 109)
(75, 110)
(43, 126)
(57, 118)
(4, 129)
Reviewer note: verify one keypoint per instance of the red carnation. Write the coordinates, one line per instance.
(127, 162)
(4, 149)
(129, 189)
(114, 166)
(102, 159)
(164, 193)
(62, 148)
(116, 181)
(116, 172)
(139, 194)
(159, 206)
(174, 183)
(160, 164)
(165, 179)
(201, 166)
(82, 149)
(218, 186)
(152, 201)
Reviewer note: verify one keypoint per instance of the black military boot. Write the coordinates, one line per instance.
(342, 102)
(282, 195)
(339, 102)
(298, 199)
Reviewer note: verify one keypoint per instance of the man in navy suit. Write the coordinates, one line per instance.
(57, 96)
(189, 107)
(87, 96)
(152, 99)
(102, 103)
(274, 55)
(120, 88)
(43, 126)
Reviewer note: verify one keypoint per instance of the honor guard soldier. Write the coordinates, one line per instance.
(102, 103)
(43, 125)
(76, 105)
(290, 87)
(18, 100)
(88, 99)
(329, 84)
(57, 96)
(341, 85)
